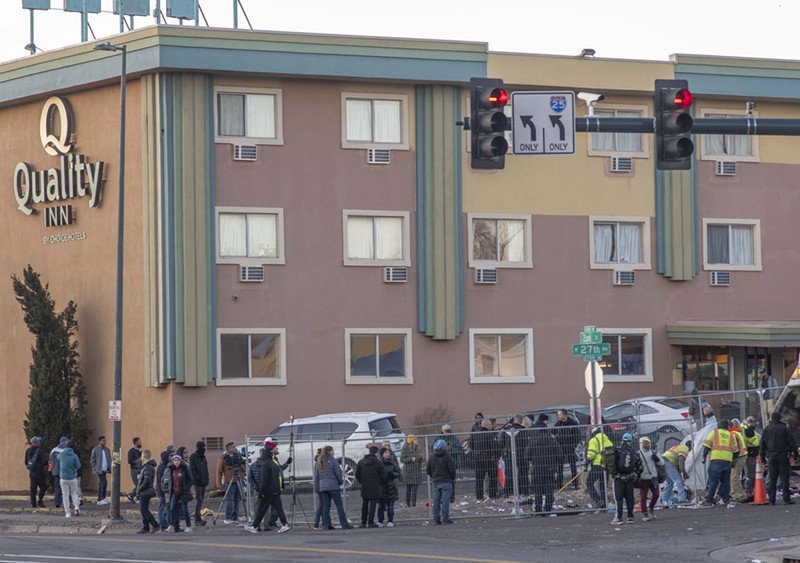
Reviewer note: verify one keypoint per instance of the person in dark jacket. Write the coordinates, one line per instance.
(390, 492)
(135, 462)
(198, 467)
(145, 489)
(442, 471)
(36, 464)
(269, 491)
(328, 482)
(163, 494)
(372, 476)
(486, 453)
(545, 455)
(254, 477)
(178, 481)
(568, 436)
(777, 444)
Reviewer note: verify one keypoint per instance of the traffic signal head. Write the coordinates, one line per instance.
(488, 123)
(674, 146)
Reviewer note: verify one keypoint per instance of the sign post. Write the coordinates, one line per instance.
(591, 349)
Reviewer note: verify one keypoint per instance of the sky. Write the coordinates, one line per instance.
(619, 29)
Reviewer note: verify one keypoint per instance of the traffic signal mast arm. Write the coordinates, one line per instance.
(707, 126)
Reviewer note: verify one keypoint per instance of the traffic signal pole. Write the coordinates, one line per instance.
(707, 126)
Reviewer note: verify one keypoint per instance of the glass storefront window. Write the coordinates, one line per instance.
(706, 368)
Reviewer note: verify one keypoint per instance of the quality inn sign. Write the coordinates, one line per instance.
(73, 177)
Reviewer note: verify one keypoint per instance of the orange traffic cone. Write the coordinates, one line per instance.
(760, 494)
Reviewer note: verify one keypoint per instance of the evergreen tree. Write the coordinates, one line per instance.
(57, 399)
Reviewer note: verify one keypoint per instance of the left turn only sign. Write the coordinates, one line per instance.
(543, 122)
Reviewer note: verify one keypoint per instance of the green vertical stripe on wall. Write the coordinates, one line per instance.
(438, 212)
(676, 229)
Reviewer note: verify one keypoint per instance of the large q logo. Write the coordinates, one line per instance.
(57, 114)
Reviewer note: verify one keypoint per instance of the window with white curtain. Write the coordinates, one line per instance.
(376, 238)
(249, 115)
(728, 147)
(378, 356)
(501, 355)
(250, 235)
(620, 242)
(374, 121)
(251, 356)
(619, 144)
(499, 240)
(732, 244)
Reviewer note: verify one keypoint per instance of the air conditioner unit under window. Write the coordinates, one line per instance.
(720, 279)
(245, 152)
(378, 156)
(485, 275)
(395, 274)
(621, 164)
(624, 277)
(251, 273)
(725, 168)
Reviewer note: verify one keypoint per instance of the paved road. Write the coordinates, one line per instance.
(682, 535)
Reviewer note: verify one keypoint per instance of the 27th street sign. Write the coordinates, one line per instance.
(543, 122)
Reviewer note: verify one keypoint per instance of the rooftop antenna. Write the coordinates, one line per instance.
(32, 5)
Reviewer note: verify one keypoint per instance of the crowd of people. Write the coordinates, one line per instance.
(526, 461)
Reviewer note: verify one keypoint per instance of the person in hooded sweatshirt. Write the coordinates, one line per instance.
(163, 495)
(177, 478)
(70, 464)
(36, 464)
(648, 482)
(442, 471)
(390, 492)
(372, 476)
(198, 467)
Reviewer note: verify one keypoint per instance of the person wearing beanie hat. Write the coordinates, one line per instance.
(228, 466)
(777, 444)
(177, 480)
(442, 471)
(36, 464)
(198, 469)
(649, 481)
(626, 470)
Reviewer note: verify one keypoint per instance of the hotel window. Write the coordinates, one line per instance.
(249, 115)
(250, 236)
(732, 244)
(619, 144)
(251, 356)
(376, 238)
(378, 356)
(499, 241)
(631, 357)
(620, 242)
(742, 148)
(374, 121)
(501, 355)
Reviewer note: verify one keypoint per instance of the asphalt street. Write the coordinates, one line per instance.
(745, 533)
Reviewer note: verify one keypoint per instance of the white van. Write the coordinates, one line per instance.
(353, 431)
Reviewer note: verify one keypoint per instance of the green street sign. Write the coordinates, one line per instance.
(592, 357)
(591, 337)
(593, 349)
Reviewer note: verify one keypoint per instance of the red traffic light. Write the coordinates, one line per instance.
(498, 97)
(683, 99)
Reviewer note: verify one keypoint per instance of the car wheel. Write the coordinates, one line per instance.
(349, 474)
(668, 430)
(669, 443)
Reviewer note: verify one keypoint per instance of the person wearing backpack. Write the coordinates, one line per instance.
(626, 470)
(36, 464)
(598, 444)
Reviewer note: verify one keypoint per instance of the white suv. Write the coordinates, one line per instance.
(353, 431)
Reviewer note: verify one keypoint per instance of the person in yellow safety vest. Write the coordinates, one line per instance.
(737, 466)
(723, 449)
(594, 458)
(752, 442)
(675, 464)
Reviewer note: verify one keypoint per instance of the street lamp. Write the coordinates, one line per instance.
(117, 429)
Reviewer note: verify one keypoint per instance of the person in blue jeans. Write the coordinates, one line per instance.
(390, 492)
(328, 481)
(442, 471)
